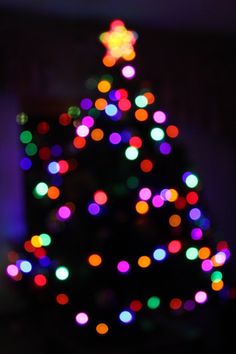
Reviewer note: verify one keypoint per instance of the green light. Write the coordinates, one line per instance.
(31, 149)
(91, 83)
(132, 182)
(153, 302)
(131, 153)
(191, 253)
(22, 118)
(41, 189)
(73, 111)
(216, 276)
(157, 134)
(191, 181)
(141, 101)
(45, 239)
(107, 77)
(62, 273)
(95, 113)
(26, 137)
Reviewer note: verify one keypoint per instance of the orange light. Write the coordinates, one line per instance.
(144, 261)
(101, 104)
(150, 97)
(142, 207)
(104, 86)
(217, 286)
(94, 260)
(79, 142)
(108, 61)
(172, 131)
(141, 114)
(204, 252)
(102, 328)
(97, 134)
(175, 220)
(53, 192)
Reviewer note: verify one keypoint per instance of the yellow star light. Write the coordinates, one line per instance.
(119, 43)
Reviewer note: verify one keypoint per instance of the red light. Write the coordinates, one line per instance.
(40, 280)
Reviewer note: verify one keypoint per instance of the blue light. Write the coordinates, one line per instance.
(159, 254)
(111, 110)
(25, 266)
(53, 167)
(125, 316)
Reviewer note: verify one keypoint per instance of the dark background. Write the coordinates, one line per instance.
(187, 50)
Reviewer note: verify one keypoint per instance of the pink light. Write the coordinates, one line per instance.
(82, 130)
(12, 270)
(81, 318)
(123, 266)
(200, 297)
(88, 121)
(159, 117)
(64, 212)
(207, 265)
(128, 71)
(145, 194)
(157, 201)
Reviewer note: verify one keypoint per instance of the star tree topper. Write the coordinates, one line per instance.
(119, 43)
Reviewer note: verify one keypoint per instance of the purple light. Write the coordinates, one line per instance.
(94, 208)
(64, 213)
(123, 266)
(159, 117)
(189, 305)
(195, 214)
(56, 150)
(125, 136)
(157, 201)
(25, 163)
(201, 297)
(88, 121)
(45, 261)
(196, 233)
(113, 96)
(86, 103)
(204, 223)
(165, 148)
(145, 193)
(81, 318)
(57, 180)
(185, 175)
(128, 71)
(115, 138)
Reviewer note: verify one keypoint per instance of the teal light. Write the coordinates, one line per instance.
(157, 134)
(191, 181)
(216, 276)
(131, 153)
(62, 273)
(45, 239)
(141, 101)
(41, 189)
(191, 253)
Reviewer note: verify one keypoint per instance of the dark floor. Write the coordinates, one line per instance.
(27, 329)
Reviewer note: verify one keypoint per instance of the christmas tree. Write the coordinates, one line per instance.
(118, 234)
